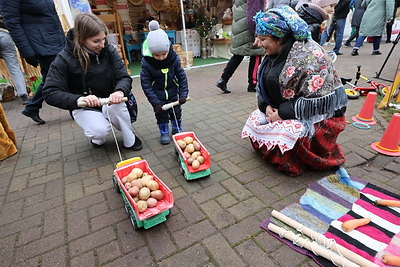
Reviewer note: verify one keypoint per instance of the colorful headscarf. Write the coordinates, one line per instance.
(280, 22)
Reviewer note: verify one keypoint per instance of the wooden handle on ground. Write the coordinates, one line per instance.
(321, 239)
(312, 246)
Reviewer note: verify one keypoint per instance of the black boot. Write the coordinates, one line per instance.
(251, 88)
(354, 52)
(221, 84)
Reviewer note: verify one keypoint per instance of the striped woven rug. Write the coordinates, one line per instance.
(330, 201)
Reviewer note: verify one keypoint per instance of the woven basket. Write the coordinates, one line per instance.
(227, 21)
(221, 41)
(7, 92)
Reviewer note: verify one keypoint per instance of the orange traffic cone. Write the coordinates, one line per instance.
(365, 115)
(389, 144)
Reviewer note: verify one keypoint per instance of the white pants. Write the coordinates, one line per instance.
(96, 125)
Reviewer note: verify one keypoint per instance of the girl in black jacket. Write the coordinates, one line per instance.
(163, 80)
(88, 69)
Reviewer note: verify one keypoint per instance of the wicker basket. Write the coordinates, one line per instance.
(7, 92)
(227, 21)
(221, 41)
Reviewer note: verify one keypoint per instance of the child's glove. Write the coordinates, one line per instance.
(182, 100)
(157, 109)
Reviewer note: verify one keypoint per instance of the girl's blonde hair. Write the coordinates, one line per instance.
(86, 25)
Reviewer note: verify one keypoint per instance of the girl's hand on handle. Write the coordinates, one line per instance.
(116, 97)
(90, 101)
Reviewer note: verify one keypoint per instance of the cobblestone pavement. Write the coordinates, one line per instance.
(59, 207)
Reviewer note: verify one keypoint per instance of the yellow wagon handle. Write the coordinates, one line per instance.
(127, 161)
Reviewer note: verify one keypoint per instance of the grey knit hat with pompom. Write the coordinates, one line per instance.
(157, 39)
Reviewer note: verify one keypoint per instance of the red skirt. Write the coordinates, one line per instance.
(321, 152)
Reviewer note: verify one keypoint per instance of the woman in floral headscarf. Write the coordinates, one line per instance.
(301, 101)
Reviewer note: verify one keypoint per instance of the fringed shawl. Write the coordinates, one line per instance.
(313, 110)
(310, 80)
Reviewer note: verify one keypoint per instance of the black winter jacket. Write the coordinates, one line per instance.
(34, 27)
(66, 82)
(163, 81)
(342, 9)
(313, 18)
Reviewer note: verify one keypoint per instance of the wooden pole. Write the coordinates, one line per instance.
(321, 239)
(313, 246)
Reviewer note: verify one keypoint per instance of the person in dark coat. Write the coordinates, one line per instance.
(338, 24)
(84, 71)
(163, 80)
(315, 13)
(37, 32)
(355, 21)
(241, 44)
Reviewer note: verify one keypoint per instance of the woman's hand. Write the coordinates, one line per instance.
(91, 100)
(116, 97)
(272, 114)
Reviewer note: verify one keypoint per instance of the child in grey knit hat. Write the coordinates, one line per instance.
(163, 80)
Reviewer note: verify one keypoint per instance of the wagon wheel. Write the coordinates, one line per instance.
(352, 94)
(131, 215)
(383, 90)
(133, 220)
(115, 182)
(126, 207)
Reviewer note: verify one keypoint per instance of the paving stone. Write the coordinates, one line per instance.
(227, 200)
(393, 167)
(353, 159)
(218, 216)
(221, 252)
(193, 233)
(129, 238)
(208, 193)
(91, 241)
(7, 246)
(246, 208)
(159, 242)
(189, 209)
(39, 247)
(20, 225)
(56, 257)
(195, 254)
(237, 190)
(77, 224)
(85, 259)
(253, 254)
(53, 220)
(285, 256)
(108, 252)
(139, 257)
(242, 230)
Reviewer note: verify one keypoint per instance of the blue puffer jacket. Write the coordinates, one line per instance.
(34, 26)
(163, 81)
